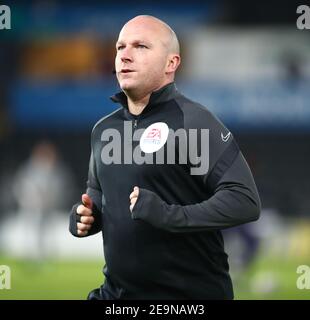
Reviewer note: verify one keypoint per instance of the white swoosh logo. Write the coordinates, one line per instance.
(225, 138)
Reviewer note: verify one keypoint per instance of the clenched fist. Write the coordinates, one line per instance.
(133, 197)
(86, 215)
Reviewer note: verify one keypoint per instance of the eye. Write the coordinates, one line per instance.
(141, 46)
(120, 47)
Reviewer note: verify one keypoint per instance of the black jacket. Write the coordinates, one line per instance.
(170, 246)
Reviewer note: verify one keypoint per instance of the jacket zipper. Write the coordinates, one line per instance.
(135, 124)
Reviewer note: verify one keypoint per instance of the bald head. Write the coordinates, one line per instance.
(165, 33)
(147, 56)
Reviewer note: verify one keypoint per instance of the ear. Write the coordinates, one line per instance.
(173, 63)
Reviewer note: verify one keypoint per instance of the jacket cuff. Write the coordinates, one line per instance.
(149, 207)
(73, 219)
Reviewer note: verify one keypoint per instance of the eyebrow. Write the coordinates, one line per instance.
(134, 42)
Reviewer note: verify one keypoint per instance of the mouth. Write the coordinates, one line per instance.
(126, 70)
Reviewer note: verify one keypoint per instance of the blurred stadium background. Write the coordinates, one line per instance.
(246, 61)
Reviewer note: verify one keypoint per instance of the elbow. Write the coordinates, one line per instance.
(258, 207)
(249, 207)
(254, 211)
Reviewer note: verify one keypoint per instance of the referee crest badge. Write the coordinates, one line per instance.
(154, 137)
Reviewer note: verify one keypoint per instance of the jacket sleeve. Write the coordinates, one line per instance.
(234, 201)
(231, 194)
(95, 193)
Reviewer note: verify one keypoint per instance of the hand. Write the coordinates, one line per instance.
(85, 210)
(133, 197)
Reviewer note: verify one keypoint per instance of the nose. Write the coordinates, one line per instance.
(125, 55)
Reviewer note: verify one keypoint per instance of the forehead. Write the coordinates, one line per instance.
(132, 32)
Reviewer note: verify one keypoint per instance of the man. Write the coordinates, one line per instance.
(160, 210)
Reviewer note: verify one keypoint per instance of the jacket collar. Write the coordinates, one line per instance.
(161, 95)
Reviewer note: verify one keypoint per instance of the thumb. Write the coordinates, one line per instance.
(87, 201)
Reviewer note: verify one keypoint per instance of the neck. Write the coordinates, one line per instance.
(136, 106)
(137, 102)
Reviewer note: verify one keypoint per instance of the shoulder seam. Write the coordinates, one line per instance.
(196, 103)
(178, 104)
(204, 109)
(105, 117)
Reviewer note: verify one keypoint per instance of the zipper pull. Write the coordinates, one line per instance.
(135, 124)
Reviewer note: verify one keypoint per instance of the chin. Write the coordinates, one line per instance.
(127, 86)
